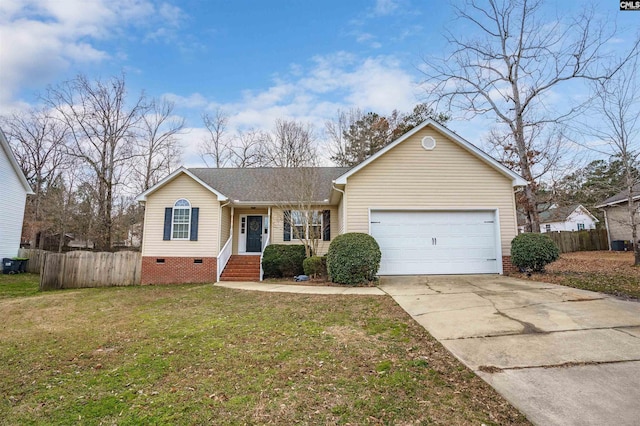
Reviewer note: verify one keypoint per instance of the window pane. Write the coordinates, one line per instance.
(298, 231)
(297, 218)
(182, 203)
(316, 231)
(181, 231)
(181, 222)
(316, 218)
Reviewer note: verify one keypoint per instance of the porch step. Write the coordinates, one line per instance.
(242, 268)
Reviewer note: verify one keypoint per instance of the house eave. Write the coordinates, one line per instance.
(143, 197)
(278, 203)
(613, 203)
(4, 143)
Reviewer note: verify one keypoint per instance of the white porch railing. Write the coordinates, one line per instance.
(224, 256)
(266, 243)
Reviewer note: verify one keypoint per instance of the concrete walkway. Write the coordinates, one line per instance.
(562, 356)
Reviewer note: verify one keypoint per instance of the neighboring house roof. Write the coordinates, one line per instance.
(516, 179)
(260, 184)
(621, 197)
(557, 214)
(4, 144)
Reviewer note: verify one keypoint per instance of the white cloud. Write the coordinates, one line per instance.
(311, 94)
(43, 38)
(385, 7)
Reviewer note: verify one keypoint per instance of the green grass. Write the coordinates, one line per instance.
(18, 285)
(198, 354)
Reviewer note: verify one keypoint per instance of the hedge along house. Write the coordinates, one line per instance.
(435, 203)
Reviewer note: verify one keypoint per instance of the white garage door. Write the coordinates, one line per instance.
(442, 242)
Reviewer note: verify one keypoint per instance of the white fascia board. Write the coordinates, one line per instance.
(584, 209)
(517, 180)
(4, 143)
(279, 203)
(143, 197)
(613, 203)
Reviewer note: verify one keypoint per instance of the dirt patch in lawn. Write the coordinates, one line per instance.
(607, 272)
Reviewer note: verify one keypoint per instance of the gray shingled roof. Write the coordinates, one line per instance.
(556, 214)
(270, 183)
(621, 196)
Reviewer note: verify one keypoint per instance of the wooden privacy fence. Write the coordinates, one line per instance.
(36, 258)
(81, 269)
(588, 240)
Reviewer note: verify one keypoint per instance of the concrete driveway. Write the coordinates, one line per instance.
(562, 356)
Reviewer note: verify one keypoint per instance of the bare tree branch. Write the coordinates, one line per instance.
(508, 65)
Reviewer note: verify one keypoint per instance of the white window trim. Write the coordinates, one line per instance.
(173, 215)
(308, 225)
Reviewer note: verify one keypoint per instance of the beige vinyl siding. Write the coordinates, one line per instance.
(447, 177)
(225, 230)
(277, 229)
(619, 223)
(237, 212)
(181, 187)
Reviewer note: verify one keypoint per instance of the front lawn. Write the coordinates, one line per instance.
(608, 272)
(18, 285)
(198, 354)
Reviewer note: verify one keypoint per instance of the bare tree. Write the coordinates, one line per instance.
(508, 67)
(160, 151)
(615, 121)
(299, 199)
(214, 149)
(245, 149)
(337, 131)
(102, 128)
(38, 140)
(291, 144)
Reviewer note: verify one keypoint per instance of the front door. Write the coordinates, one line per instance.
(254, 234)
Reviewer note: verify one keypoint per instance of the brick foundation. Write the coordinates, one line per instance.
(507, 266)
(178, 270)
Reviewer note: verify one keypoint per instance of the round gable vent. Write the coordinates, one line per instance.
(428, 143)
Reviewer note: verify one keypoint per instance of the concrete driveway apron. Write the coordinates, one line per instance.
(562, 356)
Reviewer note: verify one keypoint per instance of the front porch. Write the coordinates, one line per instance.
(248, 233)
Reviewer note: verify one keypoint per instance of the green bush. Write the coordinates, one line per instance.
(280, 260)
(353, 258)
(315, 266)
(533, 251)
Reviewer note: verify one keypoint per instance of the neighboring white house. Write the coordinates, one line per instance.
(569, 218)
(13, 194)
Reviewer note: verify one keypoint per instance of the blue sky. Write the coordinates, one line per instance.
(259, 60)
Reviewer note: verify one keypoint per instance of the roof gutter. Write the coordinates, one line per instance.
(613, 203)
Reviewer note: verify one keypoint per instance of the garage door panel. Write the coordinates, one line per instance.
(427, 242)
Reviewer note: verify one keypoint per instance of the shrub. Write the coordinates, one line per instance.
(353, 258)
(315, 266)
(280, 260)
(533, 251)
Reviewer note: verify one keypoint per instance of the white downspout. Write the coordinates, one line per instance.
(606, 225)
(344, 206)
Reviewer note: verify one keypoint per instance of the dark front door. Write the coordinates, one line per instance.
(254, 234)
